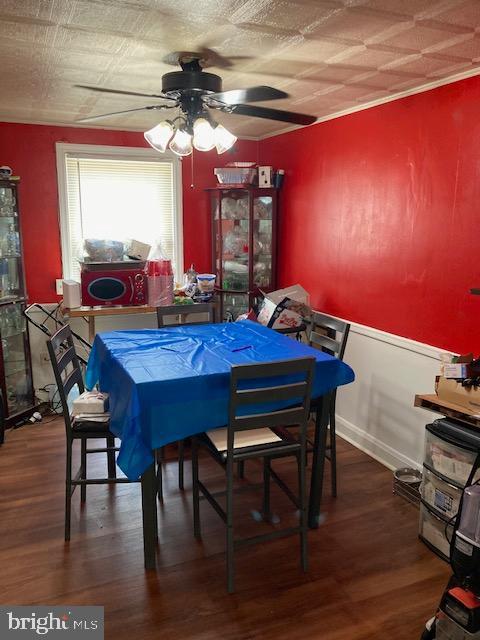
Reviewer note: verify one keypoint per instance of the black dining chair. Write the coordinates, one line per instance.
(329, 335)
(254, 431)
(68, 374)
(177, 315)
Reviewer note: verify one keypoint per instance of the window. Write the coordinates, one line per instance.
(117, 193)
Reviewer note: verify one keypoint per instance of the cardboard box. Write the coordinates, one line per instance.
(90, 402)
(138, 250)
(452, 391)
(285, 308)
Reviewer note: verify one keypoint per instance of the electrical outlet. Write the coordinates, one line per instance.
(59, 286)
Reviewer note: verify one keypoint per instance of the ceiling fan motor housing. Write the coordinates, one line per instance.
(191, 81)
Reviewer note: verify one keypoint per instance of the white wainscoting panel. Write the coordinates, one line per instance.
(376, 412)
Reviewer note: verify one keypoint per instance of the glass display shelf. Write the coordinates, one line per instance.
(14, 371)
(6, 336)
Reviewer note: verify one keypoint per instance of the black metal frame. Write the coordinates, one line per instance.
(169, 312)
(243, 394)
(52, 315)
(330, 335)
(67, 371)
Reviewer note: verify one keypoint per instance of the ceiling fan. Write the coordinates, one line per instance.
(194, 92)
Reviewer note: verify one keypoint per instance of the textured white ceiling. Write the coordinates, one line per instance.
(330, 55)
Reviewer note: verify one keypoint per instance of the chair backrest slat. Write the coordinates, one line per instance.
(269, 369)
(73, 378)
(65, 359)
(265, 394)
(280, 418)
(63, 356)
(249, 386)
(330, 334)
(187, 310)
(325, 342)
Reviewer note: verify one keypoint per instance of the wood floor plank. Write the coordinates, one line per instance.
(369, 576)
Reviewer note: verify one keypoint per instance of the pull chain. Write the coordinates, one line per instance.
(192, 182)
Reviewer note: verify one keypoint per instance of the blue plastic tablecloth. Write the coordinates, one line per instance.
(170, 383)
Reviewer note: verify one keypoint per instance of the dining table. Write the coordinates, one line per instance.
(167, 384)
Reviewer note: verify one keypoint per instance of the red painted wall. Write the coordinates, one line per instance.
(30, 151)
(380, 215)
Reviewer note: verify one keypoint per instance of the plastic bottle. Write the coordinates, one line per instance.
(191, 275)
(12, 241)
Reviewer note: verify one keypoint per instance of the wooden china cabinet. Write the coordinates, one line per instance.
(16, 385)
(244, 244)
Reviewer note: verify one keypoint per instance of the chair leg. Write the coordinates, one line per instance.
(181, 465)
(195, 490)
(68, 490)
(333, 450)
(266, 490)
(230, 545)
(112, 465)
(158, 461)
(241, 469)
(83, 464)
(303, 511)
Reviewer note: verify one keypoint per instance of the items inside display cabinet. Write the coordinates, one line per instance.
(16, 384)
(11, 286)
(16, 364)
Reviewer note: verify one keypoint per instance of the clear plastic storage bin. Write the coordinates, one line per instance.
(441, 495)
(448, 629)
(453, 462)
(432, 530)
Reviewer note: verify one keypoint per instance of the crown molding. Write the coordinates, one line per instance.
(375, 103)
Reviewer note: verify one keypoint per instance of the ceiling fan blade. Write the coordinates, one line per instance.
(124, 93)
(273, 114)
(118, 113)
(253, 94)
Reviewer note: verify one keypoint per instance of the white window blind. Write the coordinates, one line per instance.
(118, 199)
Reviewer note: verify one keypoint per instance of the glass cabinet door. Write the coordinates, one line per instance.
(235, 226)
(11, 281)
(13, 333)
(262, 241)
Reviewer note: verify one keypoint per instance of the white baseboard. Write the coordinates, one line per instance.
(376, 449)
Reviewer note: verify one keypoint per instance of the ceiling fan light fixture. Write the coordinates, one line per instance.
(224, 140)
(159, 136)
(181, 143)
(203, 135)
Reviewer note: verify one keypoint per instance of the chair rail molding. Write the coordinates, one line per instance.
(376, 412)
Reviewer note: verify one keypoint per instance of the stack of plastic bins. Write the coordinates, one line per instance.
(450, 451)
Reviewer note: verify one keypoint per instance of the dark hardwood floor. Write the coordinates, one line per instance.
(369, 578)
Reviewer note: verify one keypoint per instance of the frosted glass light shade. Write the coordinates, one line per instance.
(181, 143)
(203, 135)
(159, 136)
(224, 140)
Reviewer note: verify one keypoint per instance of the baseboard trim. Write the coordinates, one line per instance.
(376, 449)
